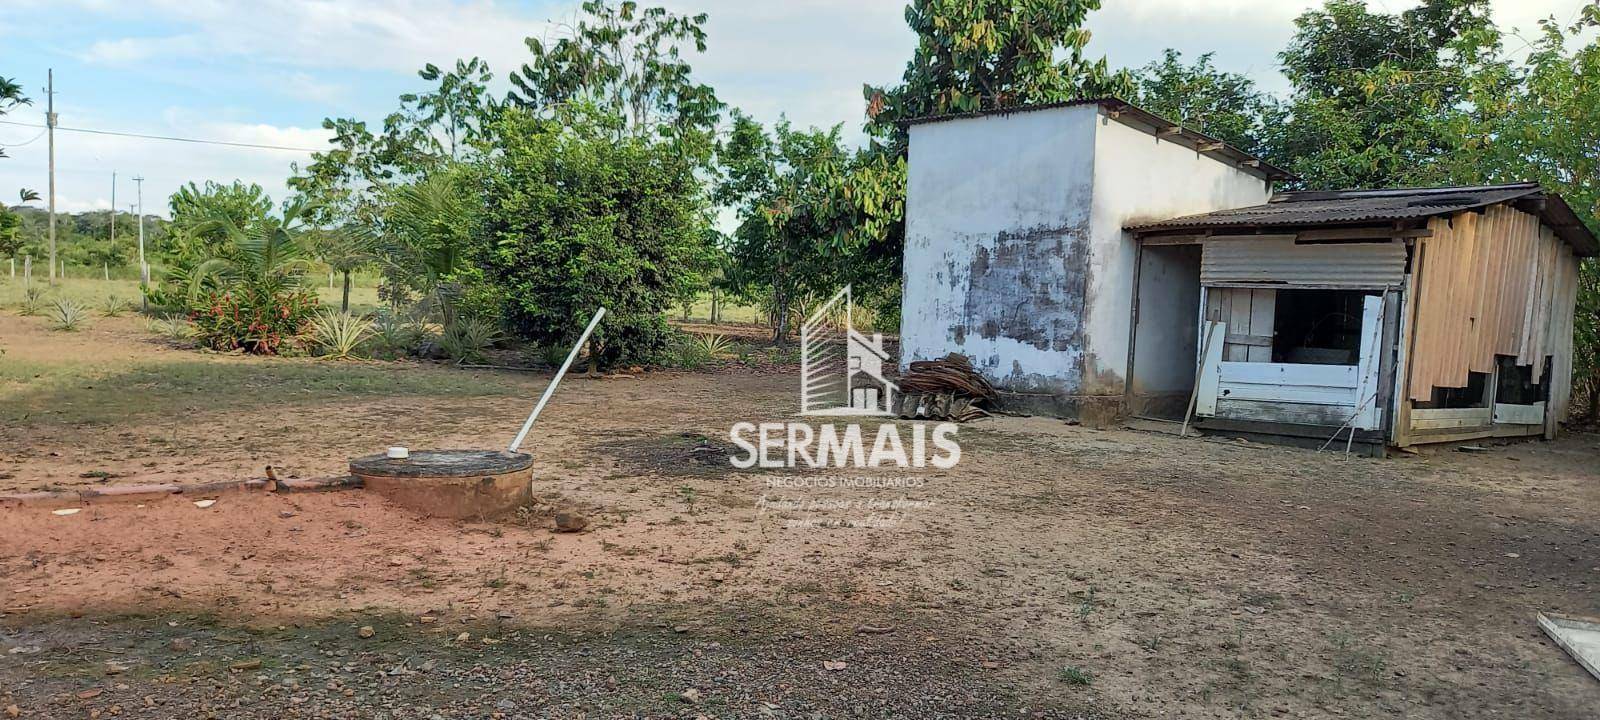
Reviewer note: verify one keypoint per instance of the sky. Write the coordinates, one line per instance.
(269, 71)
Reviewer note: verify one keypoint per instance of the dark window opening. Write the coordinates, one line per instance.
(1471, 396)
(1318, 327)
(1516, 385)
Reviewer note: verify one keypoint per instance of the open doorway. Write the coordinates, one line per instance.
(1165, 332)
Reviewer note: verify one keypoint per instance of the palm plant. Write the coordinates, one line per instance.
(270, 256)
(339, 335)
(429, 228)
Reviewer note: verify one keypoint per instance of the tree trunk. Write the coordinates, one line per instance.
(780, 330)
(344, 303)
(716, 308)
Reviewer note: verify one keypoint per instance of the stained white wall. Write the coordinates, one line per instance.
(1138, 178)
(997, 214)
(1015, 254)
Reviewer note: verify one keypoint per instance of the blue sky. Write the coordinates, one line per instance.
(269, 71)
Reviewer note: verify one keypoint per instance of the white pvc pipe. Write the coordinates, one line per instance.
(556, 381)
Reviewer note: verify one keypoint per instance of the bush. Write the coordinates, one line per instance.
(252, 319)
(466, 338)
(338, 335)
(114, 306)
(397, 336)
(172, 327)
(32, 301)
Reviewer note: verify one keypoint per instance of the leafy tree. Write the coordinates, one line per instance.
(785, 186)
(1224, 105)
(981, 54)
(630, 62)
(1374, 92)
(429, 131)
(577, 218)
(344, 250)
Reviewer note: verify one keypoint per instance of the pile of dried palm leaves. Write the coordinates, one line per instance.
(944, 389)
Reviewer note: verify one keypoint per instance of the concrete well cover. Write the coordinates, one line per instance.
(442, 463)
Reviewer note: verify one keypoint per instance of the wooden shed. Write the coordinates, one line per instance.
(1381, 317)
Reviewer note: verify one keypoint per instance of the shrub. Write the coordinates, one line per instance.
(172, 327)
(32, 301)
(67, 316)
(114, 306)
(252, 319)
(466, 338)
(395, 336)
(338, 335)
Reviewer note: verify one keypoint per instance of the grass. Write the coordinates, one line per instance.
(94, 292)
(69, 392)
(1074, 675)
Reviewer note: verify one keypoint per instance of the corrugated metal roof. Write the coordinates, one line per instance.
(1345, 207)
(1135, 116)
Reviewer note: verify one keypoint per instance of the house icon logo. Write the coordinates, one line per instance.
(841, 370)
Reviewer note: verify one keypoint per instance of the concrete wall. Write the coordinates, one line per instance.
(1137, 178)
(1015, 254)
(997, 215)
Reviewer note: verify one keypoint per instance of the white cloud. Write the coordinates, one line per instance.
(84, 162)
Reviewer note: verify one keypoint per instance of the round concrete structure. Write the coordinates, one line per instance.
(450, 483)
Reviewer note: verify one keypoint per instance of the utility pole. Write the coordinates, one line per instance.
(138, 182)
(50, 125)
(113, 210)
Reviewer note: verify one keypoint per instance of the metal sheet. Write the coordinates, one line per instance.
(1283, 262)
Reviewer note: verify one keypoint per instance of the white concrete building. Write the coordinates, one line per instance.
(1016, 254)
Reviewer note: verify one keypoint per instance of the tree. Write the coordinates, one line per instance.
(429, 131)
(344, 250)
(1374, 92)
(576, 218)
(981, 54)
(11, 97)
(629, 62)
(1224, 105)
(429, 227)
(785, 186)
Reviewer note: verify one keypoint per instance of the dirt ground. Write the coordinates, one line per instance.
(1056, 571)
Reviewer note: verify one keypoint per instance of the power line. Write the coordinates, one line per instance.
(169, 138)
(26, 142)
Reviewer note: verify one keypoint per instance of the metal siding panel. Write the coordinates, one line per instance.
(1282, 261)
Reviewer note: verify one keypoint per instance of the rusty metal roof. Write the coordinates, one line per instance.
(1347, 207)
(1134, 116)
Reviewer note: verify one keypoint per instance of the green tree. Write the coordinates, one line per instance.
(785, 186)
(429, 227)
(1374, 93)
(576, 218)
(11, 98)
(1224, 105)
(630, 62)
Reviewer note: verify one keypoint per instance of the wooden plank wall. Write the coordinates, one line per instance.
(1499, 283)
(1250, 314)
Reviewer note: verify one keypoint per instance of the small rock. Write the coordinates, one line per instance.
(90, 694)
(285, 514)
(181, 644)
(1513, 555)
(505, 706)
(115, 668)
(570, 522)
(13, 711)
(681, 629)
(463, 637)
(427, 619)
(690, 695)
(203, 504)
(243, 665)
(834, 665)
(366, 631)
